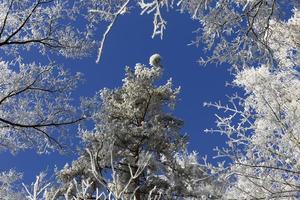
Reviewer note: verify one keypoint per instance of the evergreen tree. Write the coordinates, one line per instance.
(136, 150)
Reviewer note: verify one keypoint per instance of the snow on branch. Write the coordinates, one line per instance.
(159, 24)
(114, 16)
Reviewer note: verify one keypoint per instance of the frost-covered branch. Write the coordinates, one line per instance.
(34, 105)
(263, 136)
(115, 16)
(39, 188)
(159, 24)
(37, 23)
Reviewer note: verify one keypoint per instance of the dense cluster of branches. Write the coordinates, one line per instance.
(135, 150)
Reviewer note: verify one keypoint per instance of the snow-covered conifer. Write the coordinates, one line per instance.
(136, 150)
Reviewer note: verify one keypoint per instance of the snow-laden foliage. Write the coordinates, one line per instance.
(34, 105)
(7, 189)
(24, 23)
(241, 32)
(35, 99)
(263, 125)
(263, 135)
(285, 40)
(136, 150)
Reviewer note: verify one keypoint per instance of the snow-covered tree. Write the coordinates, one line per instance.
(263, 125)
(136, 150)
(239, 32)
(7, 189)
(34, 98)
(34, 105)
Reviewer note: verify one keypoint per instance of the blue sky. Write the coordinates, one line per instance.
(130, 42)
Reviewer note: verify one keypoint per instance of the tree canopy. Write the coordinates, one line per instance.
(135, 149)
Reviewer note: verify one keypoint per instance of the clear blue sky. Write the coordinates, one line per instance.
(130, 42)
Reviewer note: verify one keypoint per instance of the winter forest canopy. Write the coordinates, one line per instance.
(127, 141)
